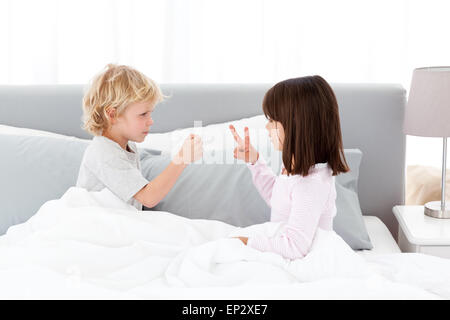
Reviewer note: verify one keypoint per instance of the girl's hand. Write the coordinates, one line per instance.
(243, 239)
(244, 150)
(191, 150)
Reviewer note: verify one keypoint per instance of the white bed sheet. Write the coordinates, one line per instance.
(382, 240)
(91, 245)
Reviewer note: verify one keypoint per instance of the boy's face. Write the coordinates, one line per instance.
(134, 124)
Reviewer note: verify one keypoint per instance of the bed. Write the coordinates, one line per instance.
(371, 121)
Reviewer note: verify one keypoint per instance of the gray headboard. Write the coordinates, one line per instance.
(371, 120)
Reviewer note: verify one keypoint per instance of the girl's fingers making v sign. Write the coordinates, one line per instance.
(244, 150)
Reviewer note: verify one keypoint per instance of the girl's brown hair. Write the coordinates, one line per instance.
(307, 109)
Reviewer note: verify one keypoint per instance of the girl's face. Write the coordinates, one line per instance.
(276, 134)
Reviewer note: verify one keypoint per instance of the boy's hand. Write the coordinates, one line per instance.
(191, 150)
(244, 150)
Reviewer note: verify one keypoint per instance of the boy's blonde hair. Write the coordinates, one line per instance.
(116, 87)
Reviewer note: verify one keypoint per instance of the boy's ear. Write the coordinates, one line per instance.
(111, 113)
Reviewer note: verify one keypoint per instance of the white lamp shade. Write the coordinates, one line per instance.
(427, 112)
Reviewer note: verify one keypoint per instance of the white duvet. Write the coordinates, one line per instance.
(91, 245)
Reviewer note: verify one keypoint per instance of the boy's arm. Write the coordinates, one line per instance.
(158, 188)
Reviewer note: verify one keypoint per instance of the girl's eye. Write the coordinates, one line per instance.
(144, 114)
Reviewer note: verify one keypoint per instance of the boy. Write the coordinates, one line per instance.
(117, 111)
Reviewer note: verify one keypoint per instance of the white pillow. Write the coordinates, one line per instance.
(215, 137)
(218, 142)
(10, 130)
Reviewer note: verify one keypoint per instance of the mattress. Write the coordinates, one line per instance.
(382, 240)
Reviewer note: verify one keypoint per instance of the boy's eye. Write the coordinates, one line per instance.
(144, 114)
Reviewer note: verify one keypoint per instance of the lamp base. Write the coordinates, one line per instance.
(433, 209)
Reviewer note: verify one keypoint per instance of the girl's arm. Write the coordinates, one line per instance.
(308, 202)
(263, 178)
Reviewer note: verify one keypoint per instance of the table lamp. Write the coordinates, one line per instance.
(427, 114)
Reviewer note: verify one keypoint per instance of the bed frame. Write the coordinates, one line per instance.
(371, 120)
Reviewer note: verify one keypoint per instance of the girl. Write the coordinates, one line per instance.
(304, 124)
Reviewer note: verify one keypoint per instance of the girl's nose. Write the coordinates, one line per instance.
(150, 122)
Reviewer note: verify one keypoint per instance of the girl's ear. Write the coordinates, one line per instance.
(278, 130)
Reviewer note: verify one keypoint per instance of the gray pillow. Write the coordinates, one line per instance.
(349, 221)
(226, 192)
(35, 169)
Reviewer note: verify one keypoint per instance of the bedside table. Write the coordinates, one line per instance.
(420, 233)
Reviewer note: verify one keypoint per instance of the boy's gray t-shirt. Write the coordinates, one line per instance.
(107, 165)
